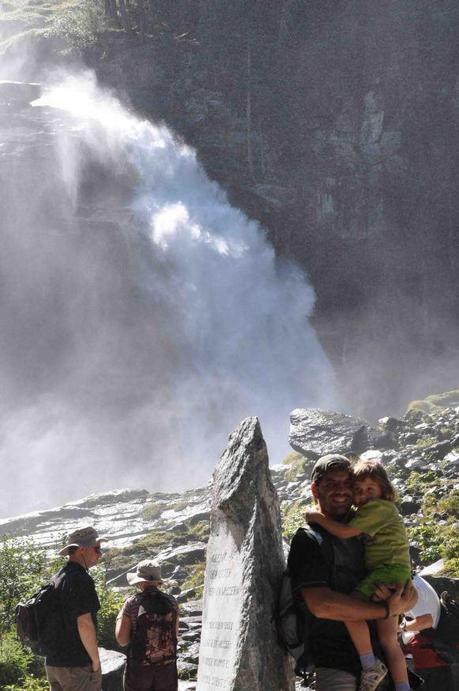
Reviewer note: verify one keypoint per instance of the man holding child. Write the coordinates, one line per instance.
(325, 570)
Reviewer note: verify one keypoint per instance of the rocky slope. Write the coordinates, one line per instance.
(420, 451)
(334, 123)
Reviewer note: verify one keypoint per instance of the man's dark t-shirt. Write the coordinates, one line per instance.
(339, 567)
(77, 596)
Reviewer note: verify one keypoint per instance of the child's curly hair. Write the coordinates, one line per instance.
(376, 471)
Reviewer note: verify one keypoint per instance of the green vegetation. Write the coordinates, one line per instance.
(196, 579)
(300, 466)
(78, 24)
(74, 23)
(436, 533)
(152, 511)
(435, 402)
(23, 568)
(293, 517)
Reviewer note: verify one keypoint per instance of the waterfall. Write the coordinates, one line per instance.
(144, 315)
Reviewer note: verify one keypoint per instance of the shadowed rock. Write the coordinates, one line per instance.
(317, 432)
(112, 663)
(239, 649)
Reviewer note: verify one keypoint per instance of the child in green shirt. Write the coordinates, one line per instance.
(387, 560)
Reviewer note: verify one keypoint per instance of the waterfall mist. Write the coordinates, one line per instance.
(142, 316)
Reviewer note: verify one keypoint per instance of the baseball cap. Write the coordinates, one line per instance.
(332, 461)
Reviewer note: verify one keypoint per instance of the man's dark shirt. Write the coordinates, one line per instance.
(311, 565)
(77, 595)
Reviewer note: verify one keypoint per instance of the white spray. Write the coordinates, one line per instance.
(162, 348)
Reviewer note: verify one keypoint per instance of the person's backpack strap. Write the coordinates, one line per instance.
(293, 619)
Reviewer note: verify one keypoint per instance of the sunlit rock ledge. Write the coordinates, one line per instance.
(124, 515)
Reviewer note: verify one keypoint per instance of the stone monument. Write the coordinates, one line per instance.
(239, 649)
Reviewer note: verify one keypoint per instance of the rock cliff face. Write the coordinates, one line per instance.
(335, 124)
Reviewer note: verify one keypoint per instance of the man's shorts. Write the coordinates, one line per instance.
(74, 678)
(387, 574)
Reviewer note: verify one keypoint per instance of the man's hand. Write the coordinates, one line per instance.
(408, 598)
(395, 602)
(95, 665)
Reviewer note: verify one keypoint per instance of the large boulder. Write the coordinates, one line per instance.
(239, 649)
(112, 664)
(315, 432)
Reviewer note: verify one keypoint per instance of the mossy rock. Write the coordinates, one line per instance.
(300, 466)
(195, 580)
(435, 402)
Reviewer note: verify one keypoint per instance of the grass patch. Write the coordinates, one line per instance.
(300, 466)
(195, 580)
(293, 517)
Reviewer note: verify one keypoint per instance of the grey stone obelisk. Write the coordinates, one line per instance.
(239, 649)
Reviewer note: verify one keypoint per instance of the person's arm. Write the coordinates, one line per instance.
(88, 636)
(325, 603)
(424, 621)
(123, 628)
(341, 530)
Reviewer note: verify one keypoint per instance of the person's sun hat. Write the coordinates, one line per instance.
(82, 537)
(332, 461)
(146, 571)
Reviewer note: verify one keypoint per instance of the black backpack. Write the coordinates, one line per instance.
(293, 619)
(445, 638)
(291, 625)
(155, 635)
(39, 620)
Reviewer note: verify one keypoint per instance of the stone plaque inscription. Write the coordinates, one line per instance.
(222, 612)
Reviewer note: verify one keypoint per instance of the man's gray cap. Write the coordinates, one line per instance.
(332, 461)
(82, 537)
(146, 571)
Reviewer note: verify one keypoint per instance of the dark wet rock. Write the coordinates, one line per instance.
(408, 506)
(18, 94)
(316, 432)
(391, 424)
(187, 670)
(442, 584)
(439, 450)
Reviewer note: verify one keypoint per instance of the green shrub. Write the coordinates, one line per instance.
(78, 24)
(14, 659)
(110, 604)
(293, 517)
(30, 683)
(23, 568)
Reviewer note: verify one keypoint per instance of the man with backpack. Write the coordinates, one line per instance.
(72, 663)
(324, 570)
(148, 623)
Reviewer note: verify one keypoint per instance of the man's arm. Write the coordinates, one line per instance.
(87, 633)
(325, 603)
(341, 530)
(123, 628)
(424, 621)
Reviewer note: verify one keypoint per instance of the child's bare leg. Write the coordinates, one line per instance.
(360, 636)
(387, 634)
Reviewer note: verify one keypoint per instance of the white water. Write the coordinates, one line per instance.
(170, 327)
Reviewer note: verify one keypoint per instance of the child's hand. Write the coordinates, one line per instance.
(313, 516)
